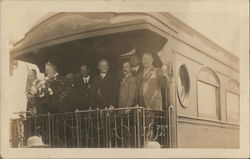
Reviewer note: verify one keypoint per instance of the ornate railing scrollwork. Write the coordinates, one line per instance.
(120, 127)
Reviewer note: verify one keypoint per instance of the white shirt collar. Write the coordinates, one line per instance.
(136, 68)
(103, 75)
(86, 78)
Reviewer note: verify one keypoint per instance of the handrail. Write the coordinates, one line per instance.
(85, 111)
(170, 109)
(96, 128)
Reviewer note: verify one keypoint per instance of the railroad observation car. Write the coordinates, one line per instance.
(202, 100)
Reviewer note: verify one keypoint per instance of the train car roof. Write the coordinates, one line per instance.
(60, 28)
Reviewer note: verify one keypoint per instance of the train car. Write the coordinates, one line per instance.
(202, 100)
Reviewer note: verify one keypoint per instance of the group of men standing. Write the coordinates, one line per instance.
(138, 84)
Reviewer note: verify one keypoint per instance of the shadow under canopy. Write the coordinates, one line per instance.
(70, 55)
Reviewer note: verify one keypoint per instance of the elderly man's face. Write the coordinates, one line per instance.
(134, 61)
(50, 71)
(126, 68)
(147, 60)
(84, 71)
(103, 66)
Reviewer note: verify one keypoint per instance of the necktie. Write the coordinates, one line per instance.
(134, 70)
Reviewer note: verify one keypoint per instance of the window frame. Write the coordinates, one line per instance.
(216, 84)
(233, 88)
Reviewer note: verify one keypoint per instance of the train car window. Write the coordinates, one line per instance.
(233, 101)
(208, 94)
(183, 86)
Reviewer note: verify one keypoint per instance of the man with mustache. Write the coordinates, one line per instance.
(127, 87)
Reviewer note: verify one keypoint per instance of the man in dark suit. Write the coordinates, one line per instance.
(135, 64)
(61, 98)
(104, 87)
(83, 88)
(127, 87)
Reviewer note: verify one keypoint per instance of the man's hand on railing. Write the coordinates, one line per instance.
(21, 113)
(111, 107)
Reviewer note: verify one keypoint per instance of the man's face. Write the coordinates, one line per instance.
(50, 71)
(32, 75)
(71, 76)
(147, 60)
(134, 61)
(84, 71)
(126, 68)
(103, 66)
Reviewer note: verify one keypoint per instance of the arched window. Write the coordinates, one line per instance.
(208, 93)
(233, 101)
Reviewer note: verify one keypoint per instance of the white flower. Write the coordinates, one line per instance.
(50, 91)
(41, 95)
(33, 90)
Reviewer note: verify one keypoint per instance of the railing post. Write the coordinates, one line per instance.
(53, 136)
(35, 125)
(109, 129)
(144, 125)
(135, 126)
(115, 133)
(170, 108)
(21, 133)
(49, 128)
(138, 126)
(106, 127)
(166, 138)
(77, 129)
(129, 135)
(98, 127)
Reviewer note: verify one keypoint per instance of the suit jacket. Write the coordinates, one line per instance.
(83, 93)
(62, 99)
(104, 91)
(127, 92)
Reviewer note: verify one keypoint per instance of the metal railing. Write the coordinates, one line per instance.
(129, 127)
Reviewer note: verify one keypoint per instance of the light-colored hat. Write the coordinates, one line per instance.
(152, 144)
(35, 142)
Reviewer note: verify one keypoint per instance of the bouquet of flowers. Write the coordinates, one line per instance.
(43, 88)
(37, 90)
(40, 88)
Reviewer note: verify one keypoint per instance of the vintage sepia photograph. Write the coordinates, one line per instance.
(122, 80)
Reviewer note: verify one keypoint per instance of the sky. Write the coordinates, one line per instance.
(224, 28)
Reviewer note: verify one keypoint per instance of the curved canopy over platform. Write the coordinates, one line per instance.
(69, 38)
